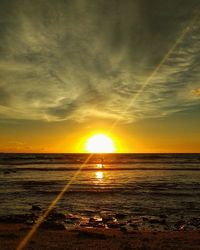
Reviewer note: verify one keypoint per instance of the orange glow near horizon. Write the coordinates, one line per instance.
(125, 140)
(100, 143)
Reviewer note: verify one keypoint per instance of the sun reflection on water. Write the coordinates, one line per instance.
(100, 165)
(99, 175)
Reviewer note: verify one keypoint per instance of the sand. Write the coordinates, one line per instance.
(91, 238)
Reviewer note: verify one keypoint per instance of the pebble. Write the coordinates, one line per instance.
(30, 222)
(163, 222)
(86, 224)
(72, 217)
(19, 218)
(95, 219)
(163, 216)
(53, 225)
(120, 216)
(154, 221)
(58, 220)
(134, 226)
(57, 216)
(123, 229)
(107, 218)
(145, 218)
(195, 222)
(36, 208)
(113, 224)
(179, 224)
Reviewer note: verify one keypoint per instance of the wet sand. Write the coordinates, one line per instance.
(96, 238)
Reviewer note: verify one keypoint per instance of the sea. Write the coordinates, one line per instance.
(136, 185)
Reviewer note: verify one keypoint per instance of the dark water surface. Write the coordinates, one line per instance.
(133, 184)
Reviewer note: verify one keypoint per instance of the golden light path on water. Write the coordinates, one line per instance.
(99, 175)
(34, 228)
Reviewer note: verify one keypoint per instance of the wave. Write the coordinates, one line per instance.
(23, 159)
(113, 168)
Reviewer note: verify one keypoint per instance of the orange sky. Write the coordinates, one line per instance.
(178, 133)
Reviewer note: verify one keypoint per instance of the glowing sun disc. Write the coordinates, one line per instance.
(100, 144)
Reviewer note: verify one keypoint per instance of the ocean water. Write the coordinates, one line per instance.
(134, 184)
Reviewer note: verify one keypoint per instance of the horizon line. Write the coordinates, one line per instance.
(86, 153)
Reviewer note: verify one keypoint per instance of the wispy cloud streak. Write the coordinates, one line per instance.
(80, 60)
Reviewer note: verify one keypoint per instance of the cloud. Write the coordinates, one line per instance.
(80, 60)
(196, 92)
(20, 146)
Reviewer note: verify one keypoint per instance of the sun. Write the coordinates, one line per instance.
(100, 143)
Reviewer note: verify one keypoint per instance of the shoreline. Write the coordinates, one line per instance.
(96, 238)
(121, 221)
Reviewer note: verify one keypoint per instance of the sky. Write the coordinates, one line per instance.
(128, 68)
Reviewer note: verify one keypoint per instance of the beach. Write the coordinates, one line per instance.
(114, 239)
(70, 231)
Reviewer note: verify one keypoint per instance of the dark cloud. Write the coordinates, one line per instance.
(82, 59)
